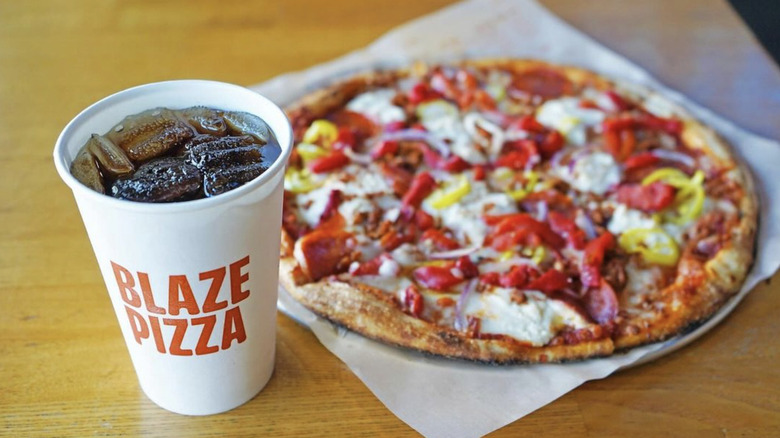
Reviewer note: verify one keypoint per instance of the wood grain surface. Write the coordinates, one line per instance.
(64, 368)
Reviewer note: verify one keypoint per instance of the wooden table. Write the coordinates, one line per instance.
(64, 368)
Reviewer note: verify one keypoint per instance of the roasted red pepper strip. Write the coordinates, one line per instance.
(551, 281)
(423, 185)
(479, 172)
(422, 92)
(454, 164)
(517, 276)
(515, 160)
(385, 147)
(522, 222)
(370, 267)
(413, 301)
(650, 198)
(530, 124)
(467, 267)
(551, 143)
(345, 138)
(332, 161)
(670, 126)
(423, 220)
(440, 241)
(568, 229)
(593, 258)
(646, 121)
(620, 103)
(437, 277)
(640, 160)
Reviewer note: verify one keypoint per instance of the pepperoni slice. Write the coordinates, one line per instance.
(323, 252)
(650, 198)
(361, 126)
(593, 258)
(542, 82)
(602, 303)
(551, 281)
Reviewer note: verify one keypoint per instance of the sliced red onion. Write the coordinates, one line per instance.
(588, 226)
(533, 161)
(417, 135)
(678, 157)
(460, 318)
(708, 246)
(516, 94)
(356, 157)
(576, 156)
(496, 117)
(543, 210)
(555, 160)
(453, 254)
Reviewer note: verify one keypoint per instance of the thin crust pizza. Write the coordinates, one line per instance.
(510, 211)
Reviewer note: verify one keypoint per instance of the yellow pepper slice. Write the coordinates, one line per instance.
(451, 193)
(689, 200)
(669, 175)
(436, 109)
(531, 179)
(309, 151)
(506, 255)
(539, 254)
(654, 244)
(299, 181)
(321, 132)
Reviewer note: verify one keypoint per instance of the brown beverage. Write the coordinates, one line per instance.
(164, 155)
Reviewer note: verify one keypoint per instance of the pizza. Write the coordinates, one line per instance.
(510, 211)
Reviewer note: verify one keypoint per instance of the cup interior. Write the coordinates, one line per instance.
(106, 113)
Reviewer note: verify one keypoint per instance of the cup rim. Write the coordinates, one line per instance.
(80, 190)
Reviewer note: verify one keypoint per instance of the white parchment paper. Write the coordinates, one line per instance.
(442, 398)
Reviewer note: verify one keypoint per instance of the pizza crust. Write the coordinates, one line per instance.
(696, 293)
(375, 315)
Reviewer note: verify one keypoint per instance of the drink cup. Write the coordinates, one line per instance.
(194, 283)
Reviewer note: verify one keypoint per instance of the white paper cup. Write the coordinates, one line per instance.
(193, 284)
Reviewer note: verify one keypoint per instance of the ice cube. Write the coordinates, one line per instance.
(161, 180)
(205, 120)
(85, 169)
(112, 159)
(150, 134)
(221, 180)
(240, 123)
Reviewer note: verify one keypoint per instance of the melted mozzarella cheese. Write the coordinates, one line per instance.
(378, 106)
(624, 218)
(350, 209)
(595, 172)
(641, 282)
(569, 118)
(311, 205)
(600, 98)
(363, 182)
(449, 127)
(407, 255)
(391, 284)
(474, 120)
(465, 217)
(536, 321)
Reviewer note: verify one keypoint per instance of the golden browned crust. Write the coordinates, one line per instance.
(374, 315)
(696, 293)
